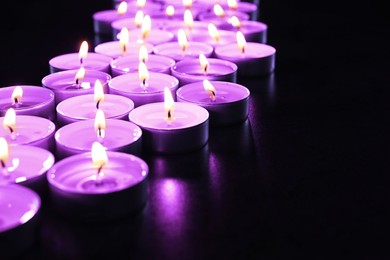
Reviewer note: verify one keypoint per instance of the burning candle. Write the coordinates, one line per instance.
(25, 165)
(172, 127)
(88, 60)
(192, 70)
(226, 102)
(28, 100)
(122, 47)
(183, 48)
(84, 107)
(70, 83)
(143, 87)
(252, 58)
(19, 207)
(115, 135)
(27, 130)
(219, 15)
(253, 31)
(130, 63)
(99, 185)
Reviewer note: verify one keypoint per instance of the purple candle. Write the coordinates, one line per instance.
(253, 31)
(88, 60)
(219, 15)
(70, 83)
(226, 102)
(172, 127)
(27, 130)
(252, 58)
(19, 207)
(143, 87)
(241, 6)
(192, 70)
(98, 185)
(25, 165)
(28, 100)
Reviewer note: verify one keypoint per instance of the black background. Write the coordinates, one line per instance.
(307, 173)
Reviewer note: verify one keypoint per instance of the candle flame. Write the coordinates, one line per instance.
(204, 63)
(235, 22)
(17, 95)
(232, 4)
(99, 158)
(169, 105)
(187, 3)
(124, 40)
(210, 89)
(146, 27)
(83, 51)
(9, 122)
(122, 8)
(241, 42)
(80, 75)
(143, 54)
(138, 18)
(141, 3)
(170, 10)
(188, 19)
(100, 123)
(182, 38)
(213, 32)
(4, 152)
(143, 73)
(98, 93)
(218, 10)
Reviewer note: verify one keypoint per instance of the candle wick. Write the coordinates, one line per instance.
(243, 50)
(16, 102)
(11, 129)
(144, 82)
(205, 68)
(4, 169)
(124, 49)
(81, 61)
(213, 95)
(2, 163)
(77, 81)
(97, 104)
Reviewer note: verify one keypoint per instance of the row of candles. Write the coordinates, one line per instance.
(79, 137)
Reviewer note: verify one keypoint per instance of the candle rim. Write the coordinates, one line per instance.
(134, 57)
(195, 61)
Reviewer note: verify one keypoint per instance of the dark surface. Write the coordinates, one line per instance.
(308, 172)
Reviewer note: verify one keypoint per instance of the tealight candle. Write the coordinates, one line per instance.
(115, 135)
(242, 6)
(253, 31)
(27, 130)
(183, 49)
(219, 15)
(84, 107)
(171, 127)
(252, 58)
(192, 70)
(88, 60)
(226, 102)
(98, 185)
(25, 165)
(28, 100)
(19, 207)
(70, 83)
(143, 87)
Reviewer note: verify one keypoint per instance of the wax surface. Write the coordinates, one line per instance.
(155, 63)
(113, 48)
(108, 16)
(84, 107)
(81, 135)
(246, 27)
(152, 116)
(252, 50)
(173, 50)
(226, 92)
(212, 17)
(75, 174)
(225, 37)
(17, 206)
(65, 80)
(216, 67)
(25, 163)
(71, 61)
(155, 37)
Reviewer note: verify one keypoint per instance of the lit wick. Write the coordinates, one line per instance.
(9, 122)
(209, 88)
(143, 74)
(83, 51)
(182, 38)
(4, 155)
(99, 159)
(100, 125)
(98, 93)
(241, 42)
(16, 97)
(169, 104)
(204, 63)
(79, 76)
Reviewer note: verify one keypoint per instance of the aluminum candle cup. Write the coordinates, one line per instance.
(78, 137)
(35, 101)
(188, 132)
(30, 130)
(129, 64)
(80, 108)
(231, 104)
(190, 70)
(253, 31)
(129, 85)
(113, 49)
(71, 61)
(20, 208)
(173, 50)
(64, 85)
(258, 59)
(76, 193)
